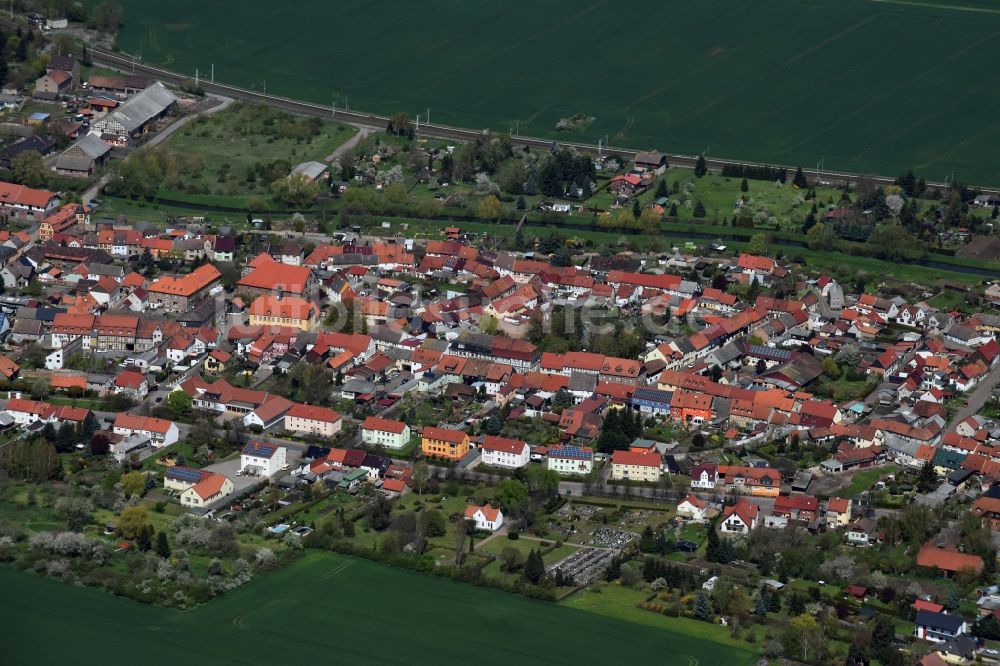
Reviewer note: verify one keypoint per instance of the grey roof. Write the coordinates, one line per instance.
(139, 110)
(311, 170)
(74, 163)
(92, 146)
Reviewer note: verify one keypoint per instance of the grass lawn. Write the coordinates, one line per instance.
(615, 601)
(243, 149)
(862, 481)
(260, 622)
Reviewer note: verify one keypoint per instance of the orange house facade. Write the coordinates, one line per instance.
(691, 408)
(444, 443)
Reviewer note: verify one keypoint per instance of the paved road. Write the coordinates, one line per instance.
(977, 399)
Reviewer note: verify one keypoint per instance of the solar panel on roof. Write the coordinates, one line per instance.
(185, 474)
(259, 449)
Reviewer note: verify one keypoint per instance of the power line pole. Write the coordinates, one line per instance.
(213, 72)
(427, 118)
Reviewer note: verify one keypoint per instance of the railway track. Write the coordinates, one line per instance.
(127, 64)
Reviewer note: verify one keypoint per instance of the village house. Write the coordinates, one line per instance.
(486, 517)
(444, 443)
(570, 460)
(262, 459)
(313, 420)
(376, 431)
(504, 452)
(179, 294)
(291, 311)
(739, 518)
(635, 466)
(160, 432)
(211, 488)
(693, 508)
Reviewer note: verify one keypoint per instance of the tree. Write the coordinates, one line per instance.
(661, 189)
(133, 484)
(802, 636)
(490, 208)
(512, 496)
(744, 186)
(883, 636)
(379, 513)
(759, 244)
(927, 480)
(510, 559)
(699, 210)
(106, 17)
(76, 511)
(296, 190)
(162, 545)
(521, 203)
(700, 168)
(988, 628)
(132, 522)
(179, 404)
(146, 265)
(799, 180)
(399, 124)
(436, 524)
(534, 567)
(702, 608)
(421, 473)
(29, 168)
(830, 367)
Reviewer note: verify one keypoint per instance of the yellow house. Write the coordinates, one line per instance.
(444, 443)
(288, 311)
(215, 363)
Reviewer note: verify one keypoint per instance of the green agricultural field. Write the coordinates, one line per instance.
(861, 85)
(381, 614)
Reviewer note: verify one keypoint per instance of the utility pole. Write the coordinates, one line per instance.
(418, 123)
(265, 87)
(195, 77)
(427, 118)
(333, 106)
(213, 72)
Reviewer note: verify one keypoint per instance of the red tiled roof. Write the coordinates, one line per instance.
(636, 458)
(504, 444)
(444, 434)
(947, 560)
(313, 413)
(491, 513)
(383, 425)
(189, 284)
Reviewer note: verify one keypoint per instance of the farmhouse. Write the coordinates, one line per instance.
(24, 203)
(177, 294)
(84, 157)
(134, 117)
